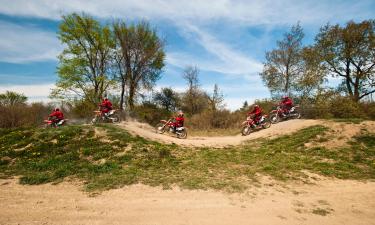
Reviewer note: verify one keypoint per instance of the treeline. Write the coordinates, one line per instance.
(15, 112)
(344, 55)
(124, 60)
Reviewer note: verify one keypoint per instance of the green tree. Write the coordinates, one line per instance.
(84, 68)
(142, 58)
(10, 98)
(312, 74)
(245, 106)
(167, 99)
(349, 52)
(282, 65)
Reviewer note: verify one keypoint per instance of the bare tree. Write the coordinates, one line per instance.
(193, 94)
(217, 99)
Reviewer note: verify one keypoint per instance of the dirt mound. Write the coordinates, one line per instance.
(287, 127)
(327, 202)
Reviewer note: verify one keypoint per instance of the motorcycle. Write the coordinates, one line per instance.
(168, 125)
(249, 125)
(277, 115)
(51, 122)
(110, 117)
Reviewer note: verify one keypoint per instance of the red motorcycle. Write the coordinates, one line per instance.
(52, 122)
(168, 125)
(249, 125)
(111, 117)
(278, 114)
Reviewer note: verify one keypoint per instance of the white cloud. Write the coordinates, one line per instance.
(235, 103)
(37, 92)
(20, 44)
(226, 60)
(232, 61)
(239, 11)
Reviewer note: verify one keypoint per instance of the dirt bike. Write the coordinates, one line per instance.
(51, 122)
(110, 117)
(249, 125)
(277, 115)
(168, 125)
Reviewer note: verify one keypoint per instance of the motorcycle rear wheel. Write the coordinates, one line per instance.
(246, 130)
(160, 128)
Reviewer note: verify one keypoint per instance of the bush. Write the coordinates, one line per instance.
(23, 115)
(221, 119)
(83, 108)
(344, 107)
(150, 113)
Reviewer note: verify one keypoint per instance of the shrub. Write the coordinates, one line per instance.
(344, 107)
(23, 115)
(150, 113)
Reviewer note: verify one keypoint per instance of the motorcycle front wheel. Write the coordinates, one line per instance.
(274, 118)
(160, 128)
(115, 118)
(246, 130)
(95, 120)
(266, 124)
(182, 134)
(297, 115)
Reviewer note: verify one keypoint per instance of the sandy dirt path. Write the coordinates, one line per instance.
(287, 127)
(347, 202)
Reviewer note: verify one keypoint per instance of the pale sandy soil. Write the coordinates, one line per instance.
(327, 201)
(146, 131)
(347, 202)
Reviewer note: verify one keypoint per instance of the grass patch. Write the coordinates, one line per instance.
(118, 159)
(322, 212)
(214, 132)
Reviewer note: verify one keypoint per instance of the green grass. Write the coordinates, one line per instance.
(118, 159)
(214, 132)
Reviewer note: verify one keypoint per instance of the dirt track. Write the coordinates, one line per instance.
(328, 201)
(287, 127)
(345, 202)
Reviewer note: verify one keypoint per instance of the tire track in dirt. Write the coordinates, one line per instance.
(148, 132)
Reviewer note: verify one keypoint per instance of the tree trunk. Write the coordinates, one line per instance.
(122, 94)
(287, 80)
(131, 97)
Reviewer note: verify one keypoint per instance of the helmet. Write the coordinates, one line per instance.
(180, 113)
(56, 109)
(285, 97)
(105, 98)
(256, 106)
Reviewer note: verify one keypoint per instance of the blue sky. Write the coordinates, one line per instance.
(225, 39)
